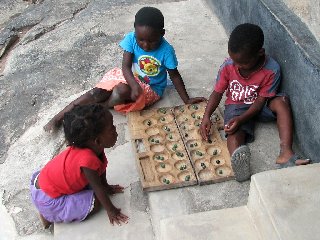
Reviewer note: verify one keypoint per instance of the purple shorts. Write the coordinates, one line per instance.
(265, 115)
(67, 208)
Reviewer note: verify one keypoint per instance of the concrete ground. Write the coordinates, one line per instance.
(62, 48)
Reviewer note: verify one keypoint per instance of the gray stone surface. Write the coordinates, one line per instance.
(63, 49)
(284, 204)
(309, 12)
(195, 199)
(293, 45)
(225, 224)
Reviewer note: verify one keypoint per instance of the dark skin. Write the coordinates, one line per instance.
(99, 184)
(247, 65)
(148, 39)
(102, 190)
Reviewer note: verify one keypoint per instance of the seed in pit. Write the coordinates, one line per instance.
(195, 107)
(199, 153)
(203, 165)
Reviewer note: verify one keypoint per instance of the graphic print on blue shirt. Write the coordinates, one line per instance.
(151, 67)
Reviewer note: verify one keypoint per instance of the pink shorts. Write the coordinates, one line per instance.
(115, 76)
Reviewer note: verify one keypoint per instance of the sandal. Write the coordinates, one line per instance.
(240, 161)
(292, 162)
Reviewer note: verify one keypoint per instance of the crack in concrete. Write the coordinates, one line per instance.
(51, 28)
(10, 43)
(80, 10)
(17, 34)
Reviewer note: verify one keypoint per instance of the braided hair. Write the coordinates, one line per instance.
(247, 38)
(149, 16)
(84, 123)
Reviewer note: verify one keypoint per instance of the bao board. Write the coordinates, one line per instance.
(170, 152)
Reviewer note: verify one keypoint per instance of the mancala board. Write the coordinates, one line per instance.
(210, 159)
(161, 156)
(168, 146)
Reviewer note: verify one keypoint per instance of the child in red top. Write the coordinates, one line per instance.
(250, 80)
(73, 184)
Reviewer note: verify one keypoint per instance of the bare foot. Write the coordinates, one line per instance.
(45, 222)
(52, 125)
(286, 155)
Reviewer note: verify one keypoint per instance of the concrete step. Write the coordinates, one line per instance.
(284, 204)
(225, 224)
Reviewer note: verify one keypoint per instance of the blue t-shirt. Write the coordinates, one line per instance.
(151, 67)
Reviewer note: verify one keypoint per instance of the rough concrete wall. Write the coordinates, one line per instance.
(309, 12)
(291, 43)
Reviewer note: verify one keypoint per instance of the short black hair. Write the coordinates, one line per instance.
(149, 16)
(84, 123)
(247, 38)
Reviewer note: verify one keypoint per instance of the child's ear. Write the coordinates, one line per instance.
(261, 52)
(97, 141)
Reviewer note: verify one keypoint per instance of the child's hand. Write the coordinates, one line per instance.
(195, 100)
(232, 126)
(136, 91)
(115, 216)
(205, 128)
(113, 189)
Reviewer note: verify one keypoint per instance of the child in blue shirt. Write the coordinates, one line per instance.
(147, 59)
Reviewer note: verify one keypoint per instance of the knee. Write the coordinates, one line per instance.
(123, 90)
(281, 100)
(237, 136)
(98, 94)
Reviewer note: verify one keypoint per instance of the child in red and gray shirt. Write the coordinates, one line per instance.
(251, 80)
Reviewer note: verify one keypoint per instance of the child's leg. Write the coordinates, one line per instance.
(95, 95)
(46, 224)
(120, 94)
(240, 155)
(235, 140)
(281, 107)
(97, 207)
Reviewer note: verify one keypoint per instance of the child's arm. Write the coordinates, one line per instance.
(254, 109)
(136, 90)
(179, 85)
(111, 189)
(213, 103)
(114, 214)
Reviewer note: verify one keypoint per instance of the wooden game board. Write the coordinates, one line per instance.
(170, 152)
